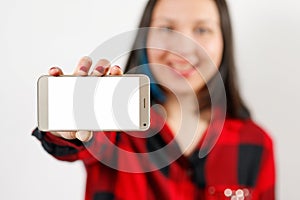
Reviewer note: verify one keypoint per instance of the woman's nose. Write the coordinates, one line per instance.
(182, 44)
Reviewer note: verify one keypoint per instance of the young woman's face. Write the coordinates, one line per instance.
(177, 59)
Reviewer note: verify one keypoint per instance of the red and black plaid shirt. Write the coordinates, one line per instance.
(239, 166)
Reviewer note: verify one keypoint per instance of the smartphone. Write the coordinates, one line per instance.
(109, 103)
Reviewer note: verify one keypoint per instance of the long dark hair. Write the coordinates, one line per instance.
(235, 105)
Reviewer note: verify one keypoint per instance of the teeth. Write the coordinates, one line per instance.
(181, 67)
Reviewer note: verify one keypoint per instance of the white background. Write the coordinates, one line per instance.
(35, 35)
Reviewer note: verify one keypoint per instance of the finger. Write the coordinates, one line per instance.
(116, 70)
(84, 136)
(83, 66)
(101, 68)
(55, 71)
(66, 135)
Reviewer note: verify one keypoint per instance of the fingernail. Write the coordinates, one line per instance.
(116, 67)
(54, 69)
(83, 135)
(100, 69)
(84, 69)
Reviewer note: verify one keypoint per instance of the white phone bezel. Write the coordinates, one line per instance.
(144, 103)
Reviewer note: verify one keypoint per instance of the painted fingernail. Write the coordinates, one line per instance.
(84, 69)
(54, 71)
(100, 69)
(116, 67)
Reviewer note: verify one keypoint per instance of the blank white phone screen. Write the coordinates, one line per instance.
(93, 103)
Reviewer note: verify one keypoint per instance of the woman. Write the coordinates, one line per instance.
(237, 163)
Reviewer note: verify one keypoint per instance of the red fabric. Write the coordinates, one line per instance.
(229, 165)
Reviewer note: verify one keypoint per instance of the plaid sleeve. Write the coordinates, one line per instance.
(60, 148)
(98, 148)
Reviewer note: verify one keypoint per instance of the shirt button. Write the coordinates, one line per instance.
(228, 192)
(234, 198)
(239, 193)
(211, 190)
(246, 192)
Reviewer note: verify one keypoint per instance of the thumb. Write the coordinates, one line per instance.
(84, 136)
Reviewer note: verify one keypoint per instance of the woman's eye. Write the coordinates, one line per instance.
(201, 30)
(167, 28)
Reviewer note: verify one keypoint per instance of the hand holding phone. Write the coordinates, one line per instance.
(101, 68)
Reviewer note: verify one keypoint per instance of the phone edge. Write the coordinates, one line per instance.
(42, 103)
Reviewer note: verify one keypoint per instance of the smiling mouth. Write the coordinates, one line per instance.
(183, 71)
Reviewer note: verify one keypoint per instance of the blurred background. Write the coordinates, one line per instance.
(35, 35)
